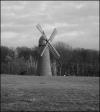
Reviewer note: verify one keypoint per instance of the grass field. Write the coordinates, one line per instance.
(33, 93)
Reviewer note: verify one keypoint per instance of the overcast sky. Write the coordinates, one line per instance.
(77, 22)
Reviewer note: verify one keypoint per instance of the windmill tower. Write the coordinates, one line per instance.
(44, 66)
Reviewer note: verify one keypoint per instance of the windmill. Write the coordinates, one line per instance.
(45, 46)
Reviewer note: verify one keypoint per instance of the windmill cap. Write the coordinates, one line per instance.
(42, 40)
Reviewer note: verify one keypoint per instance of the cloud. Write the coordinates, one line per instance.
(8, 38)
(68, 36)
(8, 35)
(76, 22)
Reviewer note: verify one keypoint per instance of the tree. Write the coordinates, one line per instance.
(5, 51)
(65, 55)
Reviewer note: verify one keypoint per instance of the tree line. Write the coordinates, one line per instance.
(73, 61)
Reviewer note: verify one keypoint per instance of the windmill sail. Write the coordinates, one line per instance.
(39, 28)
(44, 50)
(52, 35)
(54, 51)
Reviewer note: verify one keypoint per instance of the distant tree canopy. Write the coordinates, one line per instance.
(24, 52)
(75, 60)
(78, 55)
(65, 52)
(5, 51)
(27, 52)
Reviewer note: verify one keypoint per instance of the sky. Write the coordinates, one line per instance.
(77, 22)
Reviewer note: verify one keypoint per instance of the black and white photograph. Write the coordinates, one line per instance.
(49, 56)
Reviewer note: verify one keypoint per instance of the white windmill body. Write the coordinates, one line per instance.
(44, 66)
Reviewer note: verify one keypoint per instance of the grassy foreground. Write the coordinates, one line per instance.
(33, 93)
